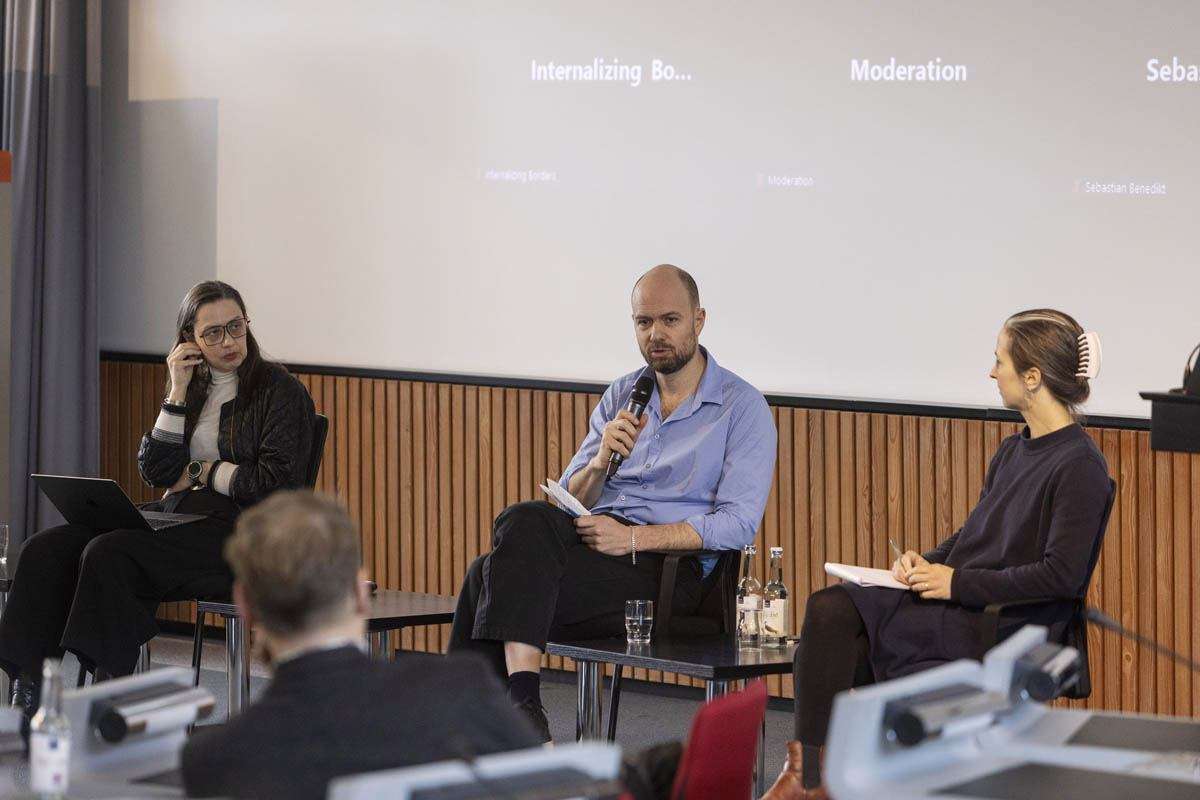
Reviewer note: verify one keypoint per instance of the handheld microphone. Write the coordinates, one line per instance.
(638, 399)
(1093, 614)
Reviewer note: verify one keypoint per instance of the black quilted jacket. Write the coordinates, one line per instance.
(268, 435)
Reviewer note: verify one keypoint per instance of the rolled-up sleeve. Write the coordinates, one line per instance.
(746, 476)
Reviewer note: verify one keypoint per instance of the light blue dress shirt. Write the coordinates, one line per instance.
(710, 464)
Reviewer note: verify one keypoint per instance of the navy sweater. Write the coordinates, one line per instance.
(1033, 534)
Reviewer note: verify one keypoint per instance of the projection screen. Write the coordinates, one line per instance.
(863, 191)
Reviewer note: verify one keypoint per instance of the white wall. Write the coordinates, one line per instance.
(361, 171)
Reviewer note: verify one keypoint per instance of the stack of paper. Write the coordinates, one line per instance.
(864, 576)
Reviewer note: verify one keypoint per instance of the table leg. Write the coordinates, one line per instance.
(715, 689)
(614, 700)
(237, 660)
(380, 645)
(587, 718)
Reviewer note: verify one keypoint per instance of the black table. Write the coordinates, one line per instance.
(388, 610)
(715, 659)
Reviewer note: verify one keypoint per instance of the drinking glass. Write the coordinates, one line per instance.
(749, 626)
(639, 619)
(3, 545)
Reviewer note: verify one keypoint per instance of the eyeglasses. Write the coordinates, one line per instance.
(236, 328)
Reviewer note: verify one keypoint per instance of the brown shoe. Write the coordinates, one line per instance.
(789, 785)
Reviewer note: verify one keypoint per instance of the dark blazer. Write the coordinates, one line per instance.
(334, 712)
(267, 433)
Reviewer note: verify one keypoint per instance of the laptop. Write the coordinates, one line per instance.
(100, 504)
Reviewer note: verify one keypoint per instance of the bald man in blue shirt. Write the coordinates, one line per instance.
(696, 473)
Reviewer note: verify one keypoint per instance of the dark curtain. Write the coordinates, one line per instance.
(51, 127)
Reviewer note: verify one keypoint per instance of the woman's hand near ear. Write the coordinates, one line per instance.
(181, 363)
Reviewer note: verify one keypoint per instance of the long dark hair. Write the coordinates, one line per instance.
(252, 368)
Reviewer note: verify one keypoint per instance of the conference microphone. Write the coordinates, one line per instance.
(1097, 616)
(638, 399)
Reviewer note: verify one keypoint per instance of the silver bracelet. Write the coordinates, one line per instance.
(633, 542)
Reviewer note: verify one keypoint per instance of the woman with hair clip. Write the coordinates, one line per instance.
(1031, 535)
(233, 428)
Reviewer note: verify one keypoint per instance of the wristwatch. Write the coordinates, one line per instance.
(194, 470)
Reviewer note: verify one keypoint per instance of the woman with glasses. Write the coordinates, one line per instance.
(233, 428)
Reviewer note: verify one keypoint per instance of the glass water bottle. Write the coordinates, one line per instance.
(749, 602)
(50, 737)
(775, 604)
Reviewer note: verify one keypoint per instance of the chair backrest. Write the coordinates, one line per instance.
(718, 762)
(1099, 543)
(320, 431)
(715, 614)
(1076, 632)
(717, 602)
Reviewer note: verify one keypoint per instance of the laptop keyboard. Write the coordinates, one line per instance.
(158, 520)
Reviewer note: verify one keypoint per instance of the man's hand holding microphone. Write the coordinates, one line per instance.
(601, 532)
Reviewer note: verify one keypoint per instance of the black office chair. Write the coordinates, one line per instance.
(1075, 634)
(714, 615)
(216, 587)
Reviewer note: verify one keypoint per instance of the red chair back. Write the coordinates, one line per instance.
(718, 762)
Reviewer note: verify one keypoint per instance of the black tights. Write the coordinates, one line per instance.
(833, 655)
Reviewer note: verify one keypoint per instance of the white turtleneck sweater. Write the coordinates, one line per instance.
(203, 444)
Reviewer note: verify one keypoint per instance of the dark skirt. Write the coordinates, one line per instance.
(908, 634)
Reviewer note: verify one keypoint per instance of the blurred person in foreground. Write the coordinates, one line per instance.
(329, 710)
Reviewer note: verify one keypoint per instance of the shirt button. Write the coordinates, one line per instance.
(656, 436)
(622, 497)
(647, 466)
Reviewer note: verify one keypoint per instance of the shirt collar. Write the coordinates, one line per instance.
(332, 644)
(709, 390)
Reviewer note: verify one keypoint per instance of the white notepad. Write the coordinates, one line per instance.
(864, 576)
(566, 501)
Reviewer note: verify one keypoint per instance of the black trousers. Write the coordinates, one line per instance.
(95, 593)
(833, 655)
(541, 582)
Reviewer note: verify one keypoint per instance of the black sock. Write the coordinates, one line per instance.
(522, 685)
(810, 766)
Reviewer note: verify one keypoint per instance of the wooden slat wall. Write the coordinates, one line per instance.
(425, 467)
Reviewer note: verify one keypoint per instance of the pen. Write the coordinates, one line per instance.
(897, 549)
